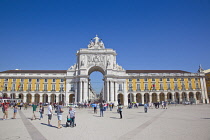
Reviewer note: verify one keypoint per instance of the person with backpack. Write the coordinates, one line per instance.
(41, 111)
(59, 114)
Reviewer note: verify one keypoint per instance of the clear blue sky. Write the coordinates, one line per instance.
(147, 35)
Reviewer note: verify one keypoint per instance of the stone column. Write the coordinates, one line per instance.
(85, 91)
(32, 98)
(205, 91)
(24, 98)
(150, 98)
(142, 98)
(112, 91)
(80, 92)
(187, 96)
(67, 98)
(158, 97)
(116, 93)
(41, 98)
(134, 97)
(166, 99)
(108, 87)
(57, 98)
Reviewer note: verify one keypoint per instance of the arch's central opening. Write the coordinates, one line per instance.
(96, 83)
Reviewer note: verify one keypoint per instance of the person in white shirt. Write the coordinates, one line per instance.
(49, 113)
(72, 116)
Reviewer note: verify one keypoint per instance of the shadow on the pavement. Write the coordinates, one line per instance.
(114, 118)
(49, 125)
(96, 116)
(205, 118)
(141, 112)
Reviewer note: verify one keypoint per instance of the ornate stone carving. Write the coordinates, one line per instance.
(96, 43)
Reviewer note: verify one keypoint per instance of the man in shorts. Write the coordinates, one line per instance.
(49, 113)
(34, 106)
(59, 114)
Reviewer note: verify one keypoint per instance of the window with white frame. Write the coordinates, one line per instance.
(138, 87)
(72, 87)
(45, 87)
(130, 87)
(61, 87)
(169, 86)
(120, 87)
(53, 87)
(161, 86)
(37, 87)
(13, 87)
(146, 86)
(29, 87)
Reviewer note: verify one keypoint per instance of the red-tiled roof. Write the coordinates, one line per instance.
(34, 71)
(156, 71)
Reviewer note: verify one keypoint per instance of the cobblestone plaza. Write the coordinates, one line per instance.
(189, 122)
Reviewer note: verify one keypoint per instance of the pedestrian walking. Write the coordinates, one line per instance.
(5, 110)
(110, 106)
(145, 107)
(101, 110)
(25, 106)
(15, 111)
(49, 108)
(95, 108)
(59, 114)
(34, 106)
(41, 111)
(120, 107)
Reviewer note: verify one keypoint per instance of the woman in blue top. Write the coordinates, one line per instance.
(15, 111)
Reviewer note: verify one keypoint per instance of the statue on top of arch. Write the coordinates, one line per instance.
(96, 43)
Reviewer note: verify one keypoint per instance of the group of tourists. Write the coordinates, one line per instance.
(59, 112)
(5, 108)
(104, 106)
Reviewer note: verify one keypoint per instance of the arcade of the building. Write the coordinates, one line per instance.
(124, 86)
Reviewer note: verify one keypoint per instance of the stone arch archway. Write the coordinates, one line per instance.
(184, 96)
(169, 97)
(20, 96)
(53, 98)
(29, 98)
(191, 97)
(198, 97)
(177, 97)
(61, 97)
(146, 98)
(71, 98)
(138, 98)
(37, 98)
(154, 97)
(130, 98)
(120, 99)
(44, 98)
(162, 97)
(5, 95)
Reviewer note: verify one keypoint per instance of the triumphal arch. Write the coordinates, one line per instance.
(95, 58)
